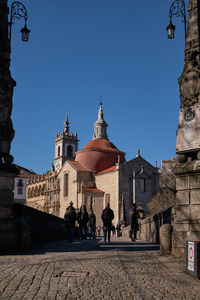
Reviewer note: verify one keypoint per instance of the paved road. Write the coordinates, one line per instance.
(95, 270)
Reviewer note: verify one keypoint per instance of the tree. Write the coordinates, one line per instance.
(166, 196)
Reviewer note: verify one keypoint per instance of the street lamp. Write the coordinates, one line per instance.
(177, 9)
(19, 11)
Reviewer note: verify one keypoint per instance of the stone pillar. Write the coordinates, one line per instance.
(8, 233)
(165, 239)
(187, 169)
(6, 88)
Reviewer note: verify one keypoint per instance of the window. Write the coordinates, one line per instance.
(36, 191)
(20, 182)
(107, 198)
(20, 190)
(65, 185)
(58, 151)
(32, 192)
(70, 151)
(20, 187)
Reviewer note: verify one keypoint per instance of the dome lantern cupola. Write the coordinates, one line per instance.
(100, 126)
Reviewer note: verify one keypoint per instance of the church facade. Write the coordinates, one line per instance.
(93, 176)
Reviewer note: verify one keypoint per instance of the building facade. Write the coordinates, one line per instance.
(20, 183)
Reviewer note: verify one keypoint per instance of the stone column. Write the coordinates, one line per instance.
(165, 239)
(187, 169)
(6, 88)
(8, 233)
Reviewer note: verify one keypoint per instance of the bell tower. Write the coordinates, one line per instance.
(66, 145)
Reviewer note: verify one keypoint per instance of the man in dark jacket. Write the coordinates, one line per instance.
(83, 219)
(107, 216)
(92, 225)
(133, 217)
(70, 219)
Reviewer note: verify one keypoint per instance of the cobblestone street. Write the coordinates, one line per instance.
(95, 270)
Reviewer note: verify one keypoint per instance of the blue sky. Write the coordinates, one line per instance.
(82, 49)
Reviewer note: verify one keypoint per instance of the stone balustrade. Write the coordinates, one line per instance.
(149, 227)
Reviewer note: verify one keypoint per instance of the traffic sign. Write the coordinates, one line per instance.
(193, 258)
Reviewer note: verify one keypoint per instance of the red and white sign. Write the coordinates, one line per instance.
(191, 256)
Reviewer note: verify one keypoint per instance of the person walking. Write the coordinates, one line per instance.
(92, 225)
(113, 229)
(107, 216)
(118, 228)
(133, 216)
(99, 230)
(83, 219)
(70, 219)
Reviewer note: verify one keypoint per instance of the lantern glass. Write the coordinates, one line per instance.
(171, 30)
(25, 34)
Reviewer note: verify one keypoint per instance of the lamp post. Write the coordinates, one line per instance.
(177, 9)
(19, 11)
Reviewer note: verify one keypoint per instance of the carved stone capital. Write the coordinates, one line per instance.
(189, 86)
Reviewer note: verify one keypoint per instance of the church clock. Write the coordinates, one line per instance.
(57, 166)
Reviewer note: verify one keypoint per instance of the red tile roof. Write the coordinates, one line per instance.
(78, 166)
(24, 169)
(107, 170)
(28, 175)
(101, 144)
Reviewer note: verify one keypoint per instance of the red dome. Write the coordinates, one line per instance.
(99, 154)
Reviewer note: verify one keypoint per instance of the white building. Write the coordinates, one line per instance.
(20, 184)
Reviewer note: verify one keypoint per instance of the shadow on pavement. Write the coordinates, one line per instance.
(92, 245)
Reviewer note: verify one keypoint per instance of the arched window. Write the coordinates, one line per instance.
(43, 189)
(70, 151)
(32, 192)
(58, 151)
(36, 191)
(29, 193)
(39, 190)
(66, 185)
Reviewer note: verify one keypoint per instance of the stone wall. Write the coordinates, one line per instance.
(187, 222)
(36, 227)
(109, 183)
(149, 227)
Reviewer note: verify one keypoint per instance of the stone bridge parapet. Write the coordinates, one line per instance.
(35, 227)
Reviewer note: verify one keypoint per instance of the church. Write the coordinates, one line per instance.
(93, 176)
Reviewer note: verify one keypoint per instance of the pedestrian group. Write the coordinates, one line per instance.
(87, 223)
